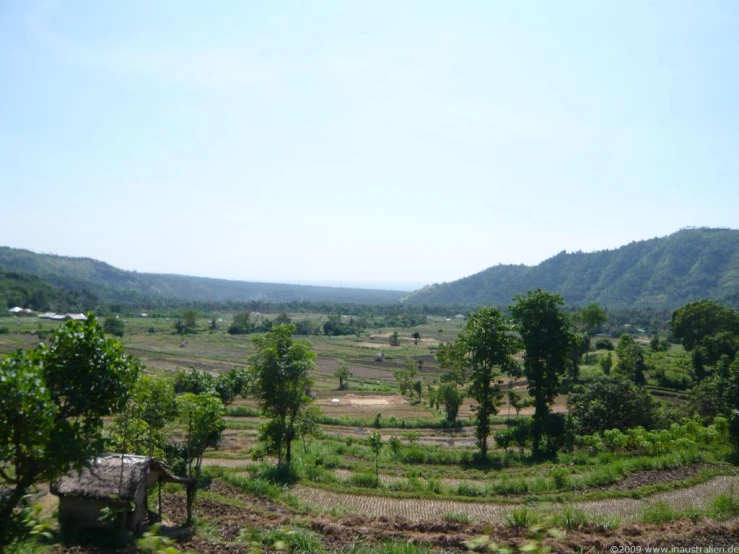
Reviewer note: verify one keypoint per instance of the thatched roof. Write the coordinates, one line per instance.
(112, 477)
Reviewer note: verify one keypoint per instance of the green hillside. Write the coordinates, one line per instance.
(661, 272)
(84, 276)
(28, 291)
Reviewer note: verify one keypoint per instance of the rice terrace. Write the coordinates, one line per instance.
(381, 428)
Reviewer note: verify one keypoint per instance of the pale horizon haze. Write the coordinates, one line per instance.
(385, 144)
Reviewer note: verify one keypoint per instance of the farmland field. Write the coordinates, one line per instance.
(429, 483)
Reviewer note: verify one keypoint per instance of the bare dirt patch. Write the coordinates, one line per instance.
(366, 401)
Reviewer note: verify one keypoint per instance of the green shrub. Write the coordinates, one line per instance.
(365, 480)
(560, 478)
(570, 518)
(467, 489)
(521, 518)
(457, 517)
(661, 512)
(724, 506)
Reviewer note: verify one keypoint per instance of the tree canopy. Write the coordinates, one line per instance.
(281, 382)
(695, 322)
(486, 347)
(546, 335)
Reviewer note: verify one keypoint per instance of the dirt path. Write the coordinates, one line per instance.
(627, 509)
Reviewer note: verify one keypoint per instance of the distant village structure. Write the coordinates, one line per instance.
(47, 315)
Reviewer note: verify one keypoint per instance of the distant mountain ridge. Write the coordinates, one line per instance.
(662, 272)
(113, 285)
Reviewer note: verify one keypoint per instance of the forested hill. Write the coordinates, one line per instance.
(112, 285)
(661, 272)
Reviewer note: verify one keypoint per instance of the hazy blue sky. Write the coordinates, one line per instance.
(372, 141)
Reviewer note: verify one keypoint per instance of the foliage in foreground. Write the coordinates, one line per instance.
(52, 404)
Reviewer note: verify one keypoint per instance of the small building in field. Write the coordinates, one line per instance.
(76, 317)
(117, 482)
(17, 310)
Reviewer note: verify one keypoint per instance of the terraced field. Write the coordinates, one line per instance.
(626, 509)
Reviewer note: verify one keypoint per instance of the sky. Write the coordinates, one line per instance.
(358, 143)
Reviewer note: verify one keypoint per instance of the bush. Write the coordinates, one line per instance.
(611, 403)
(114, 326)
(571, 518)
(661, 512)
(521, 518)
(365, 480)
(462, 518)
(560, 478)
(603, 344)
(724, 506)
(4, 330)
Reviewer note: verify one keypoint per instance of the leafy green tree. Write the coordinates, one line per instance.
(487, 347)
(545, 332)
(231, 384)
(188, 323)
(606, 363)
(394, 340)
(151, 407)
(518, 403)
(280, 381)
(406, 378)
(52, 404)
(307, 327)
(202, 418)
(308, 424)
(416, 337)
(631, 360)
(451, 397)
(611, 403)
(695, 321)
(213, 325)
(343, 375)
(114, 326)
(592, 317)
(195, 381)
(418, 389)
(241, 325)
(335, 327)
(376, 443)
(282, 319)
(708, 398)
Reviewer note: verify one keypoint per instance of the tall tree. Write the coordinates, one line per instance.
(546, 335)
(698, 320)
(52, 404)
(280, 381)
(487, 346)
(592, 317)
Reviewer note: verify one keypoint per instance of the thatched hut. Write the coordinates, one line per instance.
(117, 482)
